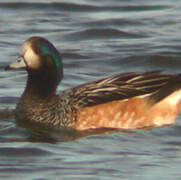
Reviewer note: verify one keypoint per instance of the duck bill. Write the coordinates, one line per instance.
(18, 64)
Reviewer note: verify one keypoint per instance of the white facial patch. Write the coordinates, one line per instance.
(30, 56)
(25, 47)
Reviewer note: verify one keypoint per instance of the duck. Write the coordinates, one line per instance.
(131, 100)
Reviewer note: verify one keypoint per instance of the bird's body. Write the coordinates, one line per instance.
(129, 100)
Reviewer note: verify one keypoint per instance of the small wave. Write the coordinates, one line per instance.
(74, 56)
(23, 151)
(81, 7)
(102, 33)
(115, 22)
(10, 99)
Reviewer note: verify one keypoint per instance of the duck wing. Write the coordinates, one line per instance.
(153, 84)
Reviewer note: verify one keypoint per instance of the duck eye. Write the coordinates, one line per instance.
(37, 50)
(19, 60)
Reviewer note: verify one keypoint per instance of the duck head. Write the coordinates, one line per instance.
(43, 64)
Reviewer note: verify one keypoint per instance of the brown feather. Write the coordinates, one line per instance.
(121, 87)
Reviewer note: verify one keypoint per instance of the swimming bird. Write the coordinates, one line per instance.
(127, 101)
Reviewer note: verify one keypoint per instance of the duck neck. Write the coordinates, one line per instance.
(41, 85)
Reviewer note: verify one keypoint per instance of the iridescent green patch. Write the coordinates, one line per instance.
(48, 50)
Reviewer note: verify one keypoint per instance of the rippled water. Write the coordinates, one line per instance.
(96, 39)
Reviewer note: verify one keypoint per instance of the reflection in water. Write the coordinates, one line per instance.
(6, 114)
(95, 39)
(36, 132)
(39, 133)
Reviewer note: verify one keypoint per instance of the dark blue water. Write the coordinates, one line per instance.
(96, 39)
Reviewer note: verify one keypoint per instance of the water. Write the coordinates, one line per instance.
(96, 39)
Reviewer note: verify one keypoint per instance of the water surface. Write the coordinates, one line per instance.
(96, 39)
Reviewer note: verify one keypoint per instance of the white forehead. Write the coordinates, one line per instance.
(25, 47)
(29, 55)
